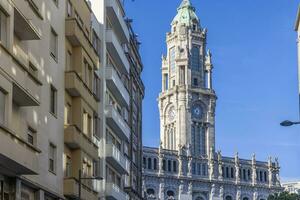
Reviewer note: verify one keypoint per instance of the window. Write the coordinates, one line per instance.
(2, 107)
(67, 114)
(166, 81)
(182, 75)
(149, 163)
(172, 59)
(31, 136)
(154, 164)
(232, 172)
(53, 100)
(52, 157)
(68, 166)
(195, 58)
(144, 162)
(56, 2)
(169, 165)
(53, 44)
(69, 9)
(195, 82)
(164, 165)
(68, 61)
(87, 123)
(174, 166)
(194, 168)
(228, 198)
(3, 28)
(265, 176)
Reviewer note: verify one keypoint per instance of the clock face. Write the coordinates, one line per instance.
(197, 112)
(171, 114)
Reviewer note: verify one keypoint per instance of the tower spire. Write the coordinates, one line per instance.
(186, 14)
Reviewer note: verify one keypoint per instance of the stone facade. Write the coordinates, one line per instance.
(186, 165)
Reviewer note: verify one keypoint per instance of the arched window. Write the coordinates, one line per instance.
(249, 174)
(232, 172)
(164, 165)
(228, 198)
(244, 174)
(227, 172)
(172, 59)
(199, 198)
(149, 163)
(144, 162)
(195, 58)
(174, 166)
(245, 198)
(169, 165)
(151, 194)
(260, 176)
(170, 195)
(154, 164)
(265, 176)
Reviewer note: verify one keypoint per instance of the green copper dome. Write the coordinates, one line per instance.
(185, 14)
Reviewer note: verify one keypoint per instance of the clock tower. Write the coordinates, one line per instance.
(187, 100)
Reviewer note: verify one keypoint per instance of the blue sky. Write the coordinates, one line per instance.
(255, 73)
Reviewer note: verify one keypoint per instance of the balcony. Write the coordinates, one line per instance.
(116, 86)
(117, 123)
(17, 157)
(77, 37)
(113, 192)
(115, 158)
(116, 51)
(71, 190)
(23, 28)
(115, 14)
(75, 139)
(76, 87)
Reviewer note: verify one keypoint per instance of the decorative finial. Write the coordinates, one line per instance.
(208, 59)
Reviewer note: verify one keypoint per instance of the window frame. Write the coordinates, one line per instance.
(54, 35)
(4, 94)
(53, 101)
(52, 149)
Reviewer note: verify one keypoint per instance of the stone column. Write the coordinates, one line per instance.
(270, 172)
(40, 195)
(162, 189)
(221, 192)
(237, 169)
(220, 164)
(238, 193)
(212, 192)
(18, 189)
(254, 177)
(190, 159)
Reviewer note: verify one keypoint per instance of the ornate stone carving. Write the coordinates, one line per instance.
(190, 159)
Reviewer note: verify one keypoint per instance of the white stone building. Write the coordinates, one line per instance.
(186, 165)
(292, 187)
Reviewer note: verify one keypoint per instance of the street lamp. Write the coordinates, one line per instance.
(85, 178)
(288, 123)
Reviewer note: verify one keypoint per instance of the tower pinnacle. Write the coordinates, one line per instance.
(186, 14)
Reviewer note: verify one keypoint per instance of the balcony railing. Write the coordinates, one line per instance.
(17, 157)
(116, 86)
(116, 50)
(75, 139)
(116, 159)
(115, 13)
(113, 192)
(117, 123)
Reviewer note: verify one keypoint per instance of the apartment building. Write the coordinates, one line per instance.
(82, 101)
(70, 101)
(31, 89)
(136, 91)
(123, 92)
